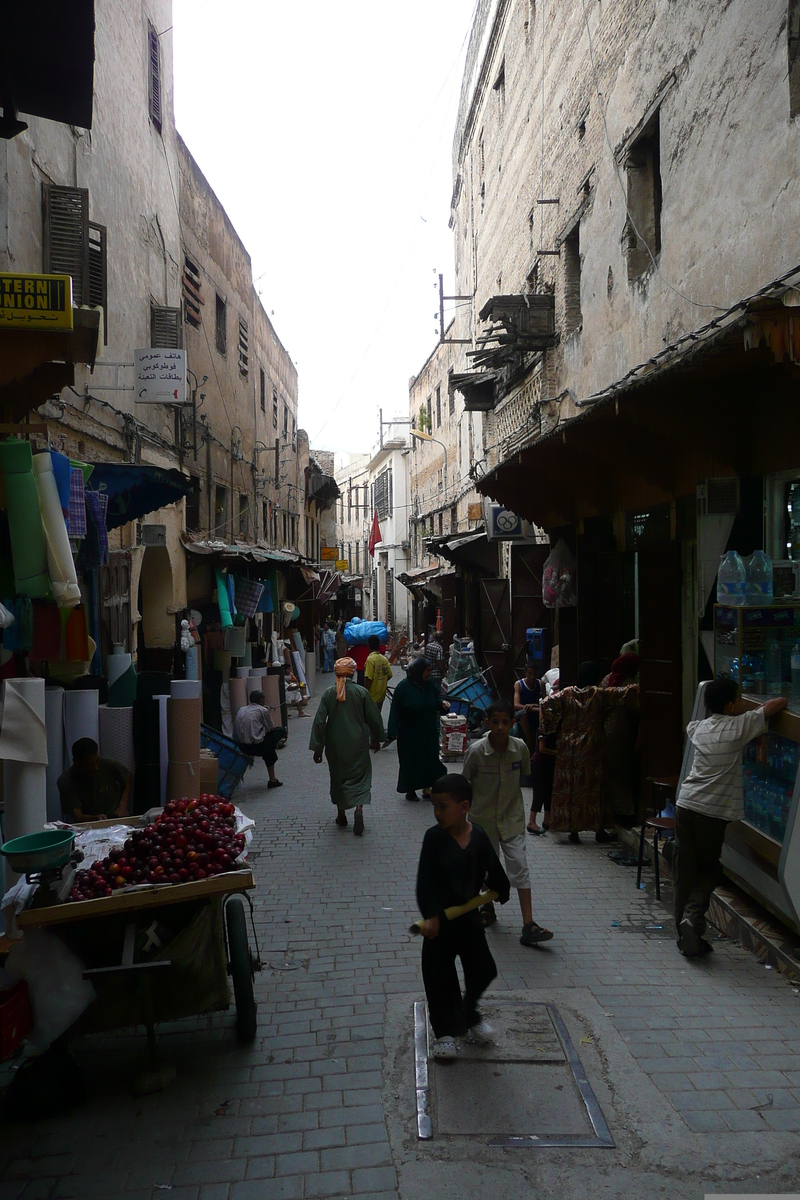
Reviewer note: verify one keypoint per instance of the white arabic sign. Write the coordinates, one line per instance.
(160, 376)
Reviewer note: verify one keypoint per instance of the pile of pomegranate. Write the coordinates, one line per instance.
(189, 840)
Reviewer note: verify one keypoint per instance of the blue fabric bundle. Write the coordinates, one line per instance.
(358, 632)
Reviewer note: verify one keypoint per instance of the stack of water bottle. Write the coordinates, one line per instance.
(769, 776)
(738, 584)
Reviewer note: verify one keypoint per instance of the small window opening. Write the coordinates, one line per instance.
(793, 47)
(643, 228)
(263, 388)
(572, 280)
(221, 327)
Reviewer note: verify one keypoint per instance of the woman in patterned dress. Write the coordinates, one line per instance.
(578, 715)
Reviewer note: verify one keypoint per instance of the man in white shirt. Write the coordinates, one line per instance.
(712, 794)
(256, 736)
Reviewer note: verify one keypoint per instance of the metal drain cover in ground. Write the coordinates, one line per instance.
(528, 1089)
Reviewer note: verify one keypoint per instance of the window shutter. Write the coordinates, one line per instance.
(192, 292)
(98, 258)
(165, 328)
(66, 236)
(244, 347)
(154, 66)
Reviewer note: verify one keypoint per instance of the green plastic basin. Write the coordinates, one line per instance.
(38, 851)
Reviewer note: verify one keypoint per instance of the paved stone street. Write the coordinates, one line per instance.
(696, 1065)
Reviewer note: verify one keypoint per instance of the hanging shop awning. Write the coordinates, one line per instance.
(134, 489)
(723, 400)
(327, 585)
(47, 63)
(245, 551)
(468, 550)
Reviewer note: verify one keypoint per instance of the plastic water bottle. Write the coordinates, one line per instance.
(731, 580)
(774, 669)
(759, 579)
(796, 675)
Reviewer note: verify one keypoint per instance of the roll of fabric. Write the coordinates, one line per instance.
(183, 729)
(116, 735)
(60, 562)
(54, 720)
(254, 683)
(247, 657)
(81, 720)
(242, 672)
(298, 667)
(122, 692)
(186, 689)
(272, 697)
(23, 747)
(183, 779)
(223, 600)
(256, 670)
(238, 696)
(222, 662)
(191, 662)
(311, 672)
(163, 747)
(28, 545)
(226, 720)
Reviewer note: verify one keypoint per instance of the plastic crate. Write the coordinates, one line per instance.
(232, 763)
(16, 1019)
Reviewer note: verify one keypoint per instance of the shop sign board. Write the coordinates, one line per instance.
(474, 512)
(35, 302)
(328, 553)
(160, 376)
(342, 564)
(502, 525)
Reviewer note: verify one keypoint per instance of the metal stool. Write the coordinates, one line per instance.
(663, 791)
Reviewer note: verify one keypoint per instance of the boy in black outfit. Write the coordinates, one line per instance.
(456, 863)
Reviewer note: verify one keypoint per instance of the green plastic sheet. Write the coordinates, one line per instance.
(28, 546)
(223, 600)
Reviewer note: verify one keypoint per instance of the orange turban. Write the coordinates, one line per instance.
(343, 669)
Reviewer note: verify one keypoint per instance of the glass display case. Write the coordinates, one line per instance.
(754, 647)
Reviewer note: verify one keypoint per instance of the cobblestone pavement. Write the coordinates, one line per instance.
(302, 1111)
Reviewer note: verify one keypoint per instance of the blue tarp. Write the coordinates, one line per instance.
(358, 633)
(134, 490)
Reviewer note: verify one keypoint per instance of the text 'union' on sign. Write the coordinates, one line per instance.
(35, 302)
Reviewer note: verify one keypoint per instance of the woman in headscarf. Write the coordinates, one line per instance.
(414, 721)
(347, 724)
(620, 744)
(578, 714)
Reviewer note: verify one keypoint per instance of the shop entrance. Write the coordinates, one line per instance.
(660, 658)
(156, 628)
(496, 639)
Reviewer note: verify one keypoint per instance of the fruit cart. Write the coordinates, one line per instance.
(154, 953)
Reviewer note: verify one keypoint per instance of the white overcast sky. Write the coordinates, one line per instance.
(326, 131)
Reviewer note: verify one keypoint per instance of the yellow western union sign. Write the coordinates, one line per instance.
(35, 301)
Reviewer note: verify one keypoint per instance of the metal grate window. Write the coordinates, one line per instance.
(191, 288)
(244, 347)
(374, 595)
(390, 597)
(165, 328)
(98, 272)
(382, 500)
(274, 410)
(154, 75)
(65, 230)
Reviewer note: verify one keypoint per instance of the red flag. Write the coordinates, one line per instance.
(375, 535)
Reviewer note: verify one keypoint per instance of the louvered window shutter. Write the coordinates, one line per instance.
(98, 290)
(154, 65)
(165, 328)
(65, 240)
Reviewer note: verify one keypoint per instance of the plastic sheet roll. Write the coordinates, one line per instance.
(272, 697)
(28, 545)
(223, 600)
(60, 562)
(311, 672)
(186, 689)
(81, 720)
(122, 692)
(256, 670)
(54, 720)
(299, 669)
(226, 720)
(118, 663)
(116, 735)
(183, 729)
(238, 692)
(191, 663)
(163, 747)
(23, 746)
(242, 672)
(255, 683)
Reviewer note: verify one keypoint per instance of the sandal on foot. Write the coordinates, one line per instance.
(275, 783)
(533, 934)
(536, 832)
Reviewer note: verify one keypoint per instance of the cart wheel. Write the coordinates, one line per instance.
(241, 970)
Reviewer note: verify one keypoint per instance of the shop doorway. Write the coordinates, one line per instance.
(527, 609)
(156, 628)
(660, 658)
(496, 639)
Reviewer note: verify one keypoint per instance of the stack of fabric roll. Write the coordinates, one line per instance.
(184, 715)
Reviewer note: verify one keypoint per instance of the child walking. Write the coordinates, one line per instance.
(495, 766)
(456, 863)
(712, 794)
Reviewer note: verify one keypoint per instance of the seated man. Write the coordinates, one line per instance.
(93, 788)
(256, 736)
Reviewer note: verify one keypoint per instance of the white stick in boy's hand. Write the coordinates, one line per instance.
(455, 911)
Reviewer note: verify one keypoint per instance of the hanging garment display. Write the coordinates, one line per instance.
(76, 518)
(248, 596)
(28, 545)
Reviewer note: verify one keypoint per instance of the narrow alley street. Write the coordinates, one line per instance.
(696, 1065)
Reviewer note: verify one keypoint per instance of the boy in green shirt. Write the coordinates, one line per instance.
(377, 672)
(495, 766)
